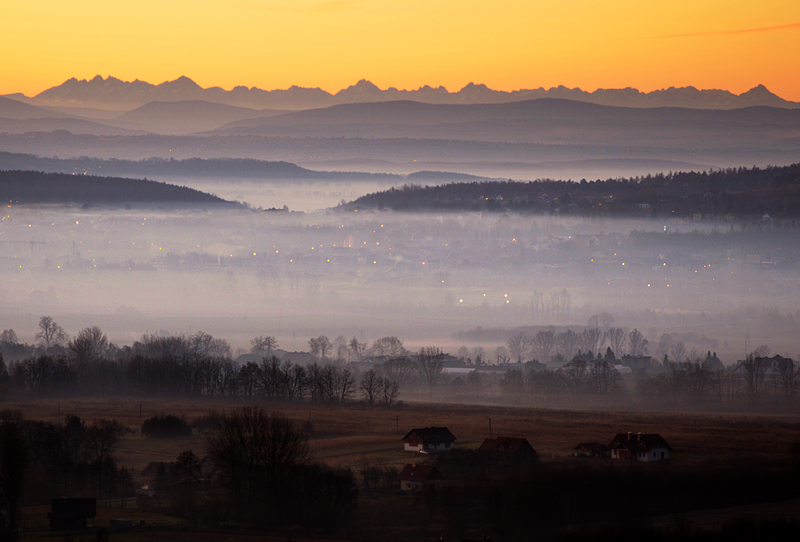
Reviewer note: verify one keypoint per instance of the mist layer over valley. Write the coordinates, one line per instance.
(472, 274)
(430, 279)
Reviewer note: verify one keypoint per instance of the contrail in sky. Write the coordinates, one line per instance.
(741, 31)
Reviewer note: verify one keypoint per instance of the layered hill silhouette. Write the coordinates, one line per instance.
(518, 139)
(186, 116)
(20, 117)
(36, 187)
(190, 167)
(113, 93)
(532, 121)
(733, 192)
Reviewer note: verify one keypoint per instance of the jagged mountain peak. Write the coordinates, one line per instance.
(116, 94)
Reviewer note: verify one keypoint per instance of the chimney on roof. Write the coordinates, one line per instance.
(640, 435)
(629, 435)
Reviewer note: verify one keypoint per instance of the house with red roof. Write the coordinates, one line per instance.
(415, 477)
(639, 447)
(429, 440)
(508, 445)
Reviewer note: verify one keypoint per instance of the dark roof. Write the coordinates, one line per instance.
(432, 434)
(153, 466)
(638, 442)
(506, 444)
(594, 447)
(419, 473)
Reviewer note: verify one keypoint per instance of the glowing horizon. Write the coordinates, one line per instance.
(512, 45)
(335, 90)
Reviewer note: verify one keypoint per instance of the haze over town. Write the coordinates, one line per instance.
(376, 271)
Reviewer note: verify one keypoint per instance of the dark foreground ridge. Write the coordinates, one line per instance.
(35, 187)
(728, 193)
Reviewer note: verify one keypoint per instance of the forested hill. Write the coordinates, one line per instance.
(225, 168)
(32, 187)
(727, 193)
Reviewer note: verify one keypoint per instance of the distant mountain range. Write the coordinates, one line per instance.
(111, 93)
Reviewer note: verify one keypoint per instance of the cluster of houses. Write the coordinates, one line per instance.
(641, 447)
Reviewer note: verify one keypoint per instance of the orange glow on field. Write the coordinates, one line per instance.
(506, 44)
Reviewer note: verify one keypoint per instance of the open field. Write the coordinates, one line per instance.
(345, 435)
(352, 435)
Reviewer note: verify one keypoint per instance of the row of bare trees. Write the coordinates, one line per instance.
(755, 384)
(548, 344)
(343, 350)
(577, 378)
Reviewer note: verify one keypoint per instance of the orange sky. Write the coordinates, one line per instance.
(506, 44)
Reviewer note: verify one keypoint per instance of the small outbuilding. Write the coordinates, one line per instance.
(429, 440)
(416, 477)
(590, 449)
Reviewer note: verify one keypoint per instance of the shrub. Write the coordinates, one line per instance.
(166, 427)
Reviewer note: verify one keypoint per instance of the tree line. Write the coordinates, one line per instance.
(39, 460)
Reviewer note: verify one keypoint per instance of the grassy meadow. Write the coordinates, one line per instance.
(353, 435)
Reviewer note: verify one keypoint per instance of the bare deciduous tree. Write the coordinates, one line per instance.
(788, 377)
(389, 391)
(604, 379)
(602, 320)
(753, 372)
(204, 344)
(567, 343)
(637, 344)
(543, 344)
(50, 333)
(320, 346)
(90, 345)
(253, 450)
(263, 344)
(430, 363)
(518, 345)
(388, 346)
(592, 339)
(678, 351)
(399, 369)
(617, 339)
(370, 386)
(357, 348)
